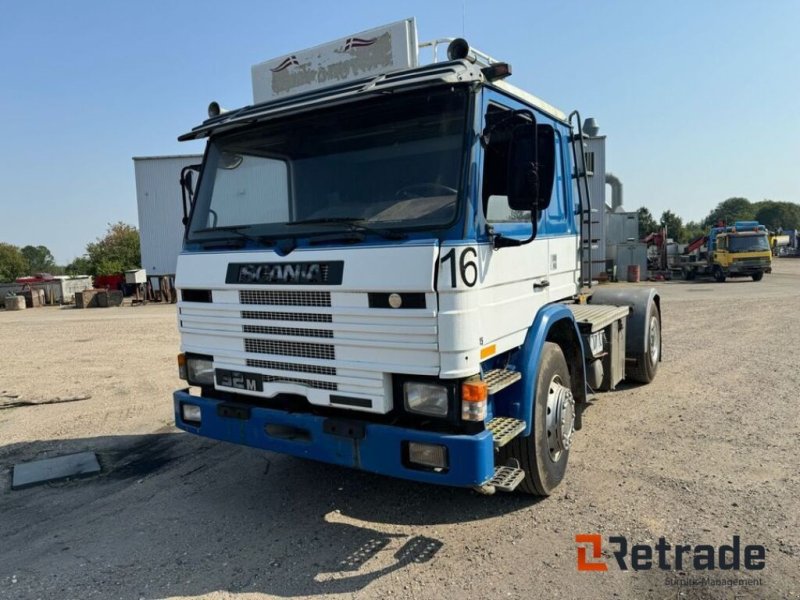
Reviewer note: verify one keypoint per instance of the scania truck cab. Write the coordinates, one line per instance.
(382, 269)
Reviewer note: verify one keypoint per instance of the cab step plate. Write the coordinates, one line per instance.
(505, 429)
(498, 379)
(506, 479)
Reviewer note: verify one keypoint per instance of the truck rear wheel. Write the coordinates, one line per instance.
(758, 276)
(646, 365)
(543, 454)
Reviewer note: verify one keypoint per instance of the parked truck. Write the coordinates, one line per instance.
(386, 267)
(738, 250)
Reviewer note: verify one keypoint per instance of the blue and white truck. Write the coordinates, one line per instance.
(386, 267)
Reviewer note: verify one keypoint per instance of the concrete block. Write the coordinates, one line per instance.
(54, 469)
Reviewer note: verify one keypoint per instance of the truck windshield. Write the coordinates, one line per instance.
(748, 243)
(386, 163)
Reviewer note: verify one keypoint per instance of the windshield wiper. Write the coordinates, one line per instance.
(353, 224)
(238, 230)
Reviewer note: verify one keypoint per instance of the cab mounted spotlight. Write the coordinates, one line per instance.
(215, 110)
(458, 49)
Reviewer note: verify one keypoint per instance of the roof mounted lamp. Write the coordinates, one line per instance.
(215, 110)
(458, 49)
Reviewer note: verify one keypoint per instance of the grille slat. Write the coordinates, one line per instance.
(285, 298)
(320, 385)
(284, 348)
(296, 331)
(285, 316)
(282, 366)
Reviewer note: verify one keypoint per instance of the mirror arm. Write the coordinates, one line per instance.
(498, 241)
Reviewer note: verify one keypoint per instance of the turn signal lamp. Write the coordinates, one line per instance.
(182, 372)
(474, 395)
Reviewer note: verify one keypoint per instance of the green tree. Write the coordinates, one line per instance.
(12, 263)
(674, 225)
(116, 252)
(40, 259)
(775, 215)
(692, 230)
(80, 266)
(729, 211)
(647, 224)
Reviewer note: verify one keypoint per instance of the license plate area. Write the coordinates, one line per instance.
(249, 382)
(233, 411)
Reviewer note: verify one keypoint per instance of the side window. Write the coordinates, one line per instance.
(495, 174)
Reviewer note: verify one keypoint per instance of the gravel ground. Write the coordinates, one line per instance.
(706, 452)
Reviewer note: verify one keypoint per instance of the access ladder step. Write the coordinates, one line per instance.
(506, 479)
(498, 379)
(505, 429)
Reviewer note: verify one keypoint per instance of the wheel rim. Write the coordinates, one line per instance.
(655, 339)
(560, 418)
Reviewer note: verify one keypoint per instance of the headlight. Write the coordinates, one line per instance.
(199, 370)
(426, 398)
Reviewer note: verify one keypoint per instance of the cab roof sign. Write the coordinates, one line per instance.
(369, 53)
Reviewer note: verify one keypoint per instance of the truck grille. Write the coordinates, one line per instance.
(295, 331)
(285, 298)
(320, 385)
(282, 366)
(297, 349)
(285, 316)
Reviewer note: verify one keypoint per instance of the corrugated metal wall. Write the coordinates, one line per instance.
(158, 195)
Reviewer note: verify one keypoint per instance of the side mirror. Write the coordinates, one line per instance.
(546, 147)
(531, 167)
(523, 177)
(187, 190)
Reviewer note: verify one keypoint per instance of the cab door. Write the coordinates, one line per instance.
(514, 280)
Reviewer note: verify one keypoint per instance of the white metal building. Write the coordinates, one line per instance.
(158, 195)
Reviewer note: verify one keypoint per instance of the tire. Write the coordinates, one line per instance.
(758, 276)
(646, 367)
(689, 274)
(719, 275)
(544, 457)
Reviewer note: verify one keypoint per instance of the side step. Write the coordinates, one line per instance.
(505, 429)
(506, 479)
(498, 379)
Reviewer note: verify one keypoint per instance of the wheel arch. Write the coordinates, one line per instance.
(639, 300)
(553, 323)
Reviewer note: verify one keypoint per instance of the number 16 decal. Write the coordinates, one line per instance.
(467, 267)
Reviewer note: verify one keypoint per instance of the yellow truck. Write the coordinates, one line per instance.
(738, 250)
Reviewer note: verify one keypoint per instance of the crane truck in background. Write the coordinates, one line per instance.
(383, 268)
(738, 250)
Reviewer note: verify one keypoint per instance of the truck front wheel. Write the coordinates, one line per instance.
(544, 453)
(719, 275)
(758, 276)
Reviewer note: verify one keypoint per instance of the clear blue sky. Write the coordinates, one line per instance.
(699, 99)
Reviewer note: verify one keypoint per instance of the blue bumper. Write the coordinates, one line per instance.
(380, 450)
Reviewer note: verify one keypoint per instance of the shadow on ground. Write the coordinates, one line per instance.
(172, 515)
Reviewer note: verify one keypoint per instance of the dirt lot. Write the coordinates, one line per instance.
(708, 451)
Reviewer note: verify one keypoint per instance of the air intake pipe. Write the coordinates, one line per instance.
(616, 190)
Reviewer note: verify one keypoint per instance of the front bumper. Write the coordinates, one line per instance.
(379, 448)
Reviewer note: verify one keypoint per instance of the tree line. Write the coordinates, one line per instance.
(117, 251)
(770, 213)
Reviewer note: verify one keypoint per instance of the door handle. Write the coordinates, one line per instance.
(540, 285)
